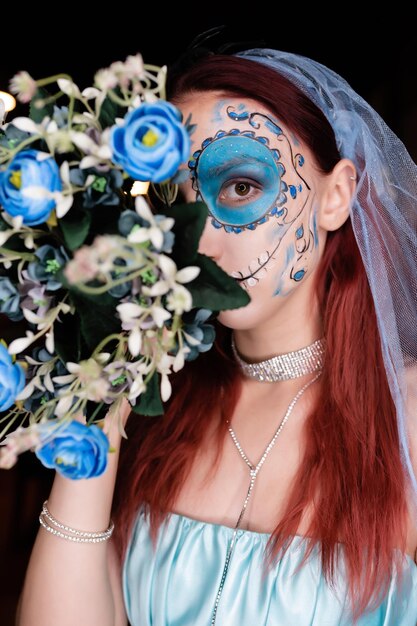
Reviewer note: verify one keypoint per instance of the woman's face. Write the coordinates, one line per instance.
(262, 190)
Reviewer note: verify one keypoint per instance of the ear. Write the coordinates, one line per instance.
(338, 192)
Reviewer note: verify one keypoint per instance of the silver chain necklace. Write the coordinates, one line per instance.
(253, 472)
(284, 366)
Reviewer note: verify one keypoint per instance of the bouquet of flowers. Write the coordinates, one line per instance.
(109, 289)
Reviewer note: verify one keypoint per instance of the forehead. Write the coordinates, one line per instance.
(213, 111)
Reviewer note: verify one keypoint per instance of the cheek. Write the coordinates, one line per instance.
(249, 254)
(274, 259)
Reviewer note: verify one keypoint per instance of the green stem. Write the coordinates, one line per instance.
(23, 144)
(176, 324)
(114, 283)
(9, 414)
(115, 98)
(52, 79)
(106, 340)
(8, 425)
(27, 256)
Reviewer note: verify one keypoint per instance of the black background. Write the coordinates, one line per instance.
(377, 55)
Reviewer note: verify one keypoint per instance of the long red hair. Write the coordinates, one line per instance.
(351, 471)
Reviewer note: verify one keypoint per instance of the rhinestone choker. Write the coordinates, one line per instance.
(284, 366)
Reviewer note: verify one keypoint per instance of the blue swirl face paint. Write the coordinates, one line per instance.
(249, 172)
(239, 180)
(240, 177)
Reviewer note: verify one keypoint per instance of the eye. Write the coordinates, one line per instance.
(235, 192)
(242, 188)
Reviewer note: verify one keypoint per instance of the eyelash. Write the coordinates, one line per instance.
(236, 181)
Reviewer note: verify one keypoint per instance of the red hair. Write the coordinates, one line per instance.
(351, 471)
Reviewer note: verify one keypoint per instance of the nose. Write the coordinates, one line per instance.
(210, 241)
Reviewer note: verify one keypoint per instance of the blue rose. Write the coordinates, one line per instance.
(75, 450)
(29, 169)
(152, 143)
(12, 379)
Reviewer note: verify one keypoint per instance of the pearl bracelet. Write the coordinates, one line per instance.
(49, 523)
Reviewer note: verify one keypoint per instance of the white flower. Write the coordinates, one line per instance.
(68, 87)
(26, 125)
(64, 405)
(89, 93)
(171, 277)
(83, 267)
(153, 233)
(29, 241)
(99, 147)
(130, 312)
(134, 342)
(135, 318)
(50, 341)
(150, 97)
(105, 79)
(136, 388)
(179, 360)
(134, 66)
(58, 139)
(94, 386)
(137, 370)
(23, 85)
(179, 300)
(2, 111)
(8, 456)
(63, 202)
(27, 391)
(20, 344)
(163, 366)
(15, 443)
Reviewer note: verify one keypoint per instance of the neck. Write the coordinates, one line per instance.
(286, 333)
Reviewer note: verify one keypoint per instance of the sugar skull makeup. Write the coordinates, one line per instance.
(250, 174)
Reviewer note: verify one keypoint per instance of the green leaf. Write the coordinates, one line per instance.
(190, 220)
(97, 315)
(150, 403)
(75, 226)
(67, 338)
(108, 113)
(38, 114)
(214, 289)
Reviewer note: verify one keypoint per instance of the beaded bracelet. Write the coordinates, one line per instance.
(49, 523)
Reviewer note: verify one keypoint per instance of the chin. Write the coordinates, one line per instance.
(244, 318)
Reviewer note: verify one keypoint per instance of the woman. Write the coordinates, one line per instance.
(278, 486)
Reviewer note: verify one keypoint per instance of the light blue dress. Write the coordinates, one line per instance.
(177, 584)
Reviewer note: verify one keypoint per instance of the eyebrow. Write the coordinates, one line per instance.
(238, 160)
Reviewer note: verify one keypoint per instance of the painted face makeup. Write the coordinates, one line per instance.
(239, 179)
(250, 178)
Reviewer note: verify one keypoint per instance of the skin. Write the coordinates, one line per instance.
(60, 575)
(283, 313)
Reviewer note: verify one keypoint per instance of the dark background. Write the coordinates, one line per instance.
(376, 55)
